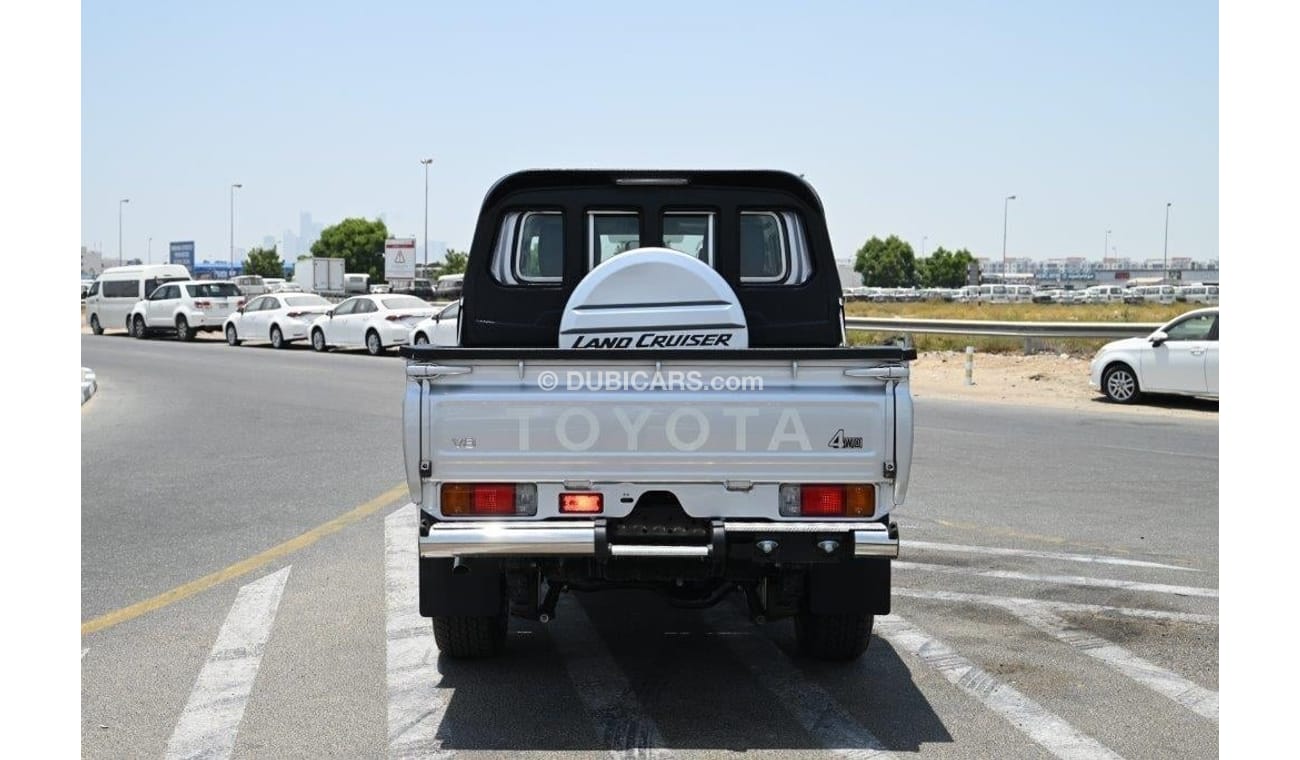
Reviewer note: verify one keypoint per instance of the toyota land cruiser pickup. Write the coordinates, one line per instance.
(652, 389)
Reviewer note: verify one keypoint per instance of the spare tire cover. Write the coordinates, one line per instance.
(653, 298)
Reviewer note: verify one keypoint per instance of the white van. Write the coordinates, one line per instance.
(1203, 294)
(118, 289)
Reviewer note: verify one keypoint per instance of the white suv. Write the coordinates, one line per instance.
(186, 308)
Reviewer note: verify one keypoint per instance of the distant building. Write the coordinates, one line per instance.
(92, 263)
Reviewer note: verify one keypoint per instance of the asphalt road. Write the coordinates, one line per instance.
(1056, 597)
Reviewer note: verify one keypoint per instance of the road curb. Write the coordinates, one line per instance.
(88, 384)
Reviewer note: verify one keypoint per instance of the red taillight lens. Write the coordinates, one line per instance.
(582, 503)
(203, 304)
(394, 318)
(822, 501)
(489, 499)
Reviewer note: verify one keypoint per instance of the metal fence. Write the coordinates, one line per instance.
(1026, 330)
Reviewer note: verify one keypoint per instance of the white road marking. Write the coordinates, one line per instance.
(1027, 716)
(616, 714)
(1068, 580)
(1036, 554)
(812, 706)
(416, 704)
(1194, 697)
(210, 721)
(957, 596)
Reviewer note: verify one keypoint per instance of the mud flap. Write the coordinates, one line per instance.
(443, 593)
(860, 585)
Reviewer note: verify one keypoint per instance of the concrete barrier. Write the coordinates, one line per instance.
(88, 384)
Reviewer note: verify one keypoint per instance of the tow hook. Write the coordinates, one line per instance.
(546, 610)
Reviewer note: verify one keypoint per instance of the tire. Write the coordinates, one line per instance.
(471, 637)
(137, 327)
(1119, 383)
(374, 346)
(95, 326)
(318, 341)
(183, 331)
(421, 339)
(833, 637)
(232, 337)
(277, 337)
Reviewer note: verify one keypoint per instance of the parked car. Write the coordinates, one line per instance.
(1182, 357)
(370, 322)
(1202, 294)
(273, 284)
(186, 308)
(280, 318)
(380, 288)
(251, 284)
(449, 287)
(290, 287)
(118, 289)
(442, 329)
(420, 288)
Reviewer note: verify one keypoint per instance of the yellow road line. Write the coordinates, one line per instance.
(244, 566)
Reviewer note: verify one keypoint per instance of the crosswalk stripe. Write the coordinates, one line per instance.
(1067, 580)
(1056, 606)
(416, 704)
(811, 705)
(1194, 697)
(1027, 716)
(620, 721)
(210, 721)
(998, 551)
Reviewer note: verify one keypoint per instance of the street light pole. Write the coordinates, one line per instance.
(1165, 276)
(1105, 246)
(1005, 203)
(923, 238)
(426, 162)
(119, 229)
(149, 252)
(232, 227)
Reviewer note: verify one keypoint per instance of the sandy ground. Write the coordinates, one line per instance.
(1039, 380)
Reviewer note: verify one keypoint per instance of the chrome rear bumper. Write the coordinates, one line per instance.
(586, 538)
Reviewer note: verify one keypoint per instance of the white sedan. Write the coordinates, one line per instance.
(1181, 357)
(440, 329)
(373, 322)
(279, 318)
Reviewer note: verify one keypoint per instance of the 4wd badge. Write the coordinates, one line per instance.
(842, 441)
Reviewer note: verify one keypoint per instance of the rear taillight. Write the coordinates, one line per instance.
(582, 503)
(828, 500)
(203, 304)
(461, 499)
(394, 317)
(296, 314)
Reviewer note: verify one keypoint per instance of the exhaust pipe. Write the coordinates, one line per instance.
(458, 567)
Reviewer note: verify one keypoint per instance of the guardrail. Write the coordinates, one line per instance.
(1027, 330)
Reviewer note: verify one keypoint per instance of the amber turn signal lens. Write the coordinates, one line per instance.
(583, 503)
(860, 501)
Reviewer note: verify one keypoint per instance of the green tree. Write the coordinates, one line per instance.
(359, 242)
(455, 262)
(887, 263)
(264, 261)
(944, 268)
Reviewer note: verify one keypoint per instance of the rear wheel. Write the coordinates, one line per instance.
(95, 327)
(137, 327)
(183, 331)
(318, 340)
(840, 636)
(232, 337)
(277, 337)
(471, 636)
(373, 344)
(421, 339)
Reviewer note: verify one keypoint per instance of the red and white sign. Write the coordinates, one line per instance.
(399, 259)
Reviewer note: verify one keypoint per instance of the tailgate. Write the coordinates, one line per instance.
(686, 421)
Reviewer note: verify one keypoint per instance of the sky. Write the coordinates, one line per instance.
(915, 119)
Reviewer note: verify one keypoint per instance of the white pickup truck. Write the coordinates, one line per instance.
(652, 389)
